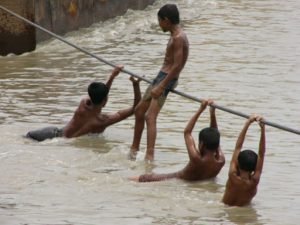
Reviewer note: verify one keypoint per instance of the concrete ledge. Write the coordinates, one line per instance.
(58, 16)
(16, 36)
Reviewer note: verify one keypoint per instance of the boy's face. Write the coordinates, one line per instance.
(163, 23)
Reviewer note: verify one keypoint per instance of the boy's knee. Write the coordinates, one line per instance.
(150, 118)
(139, 113)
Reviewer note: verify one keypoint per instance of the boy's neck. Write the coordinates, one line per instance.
(205, 151)
(175, 29)
(244, 174)
(96, 108)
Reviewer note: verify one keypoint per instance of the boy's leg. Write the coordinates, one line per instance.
(139, 113)
(151, 118)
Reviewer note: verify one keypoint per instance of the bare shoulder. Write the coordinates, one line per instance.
(85, 102)
(104, 117)
(255, 178)
(243, 183)
(234, 177)
(181, 37)
(84, 105)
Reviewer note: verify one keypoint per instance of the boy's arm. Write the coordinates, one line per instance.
(239, 145)
(176, 67)
(124, 113)
(113, 75)
(189, 140)
(213, 118)
(261, 152)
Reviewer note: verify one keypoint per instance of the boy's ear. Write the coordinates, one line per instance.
(201, 145)
(103, 103)
(167, 20)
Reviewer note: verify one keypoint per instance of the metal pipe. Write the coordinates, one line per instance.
(142, 77)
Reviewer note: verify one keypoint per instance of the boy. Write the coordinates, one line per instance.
(245, 169)
(204, 163)
(156, 94)
(88, 118)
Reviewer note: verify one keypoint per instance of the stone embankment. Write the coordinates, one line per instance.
(58, 16)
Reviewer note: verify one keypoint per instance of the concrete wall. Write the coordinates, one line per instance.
(58, 16)
(16, 36)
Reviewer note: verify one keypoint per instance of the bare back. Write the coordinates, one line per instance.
(204, 167)
(86, 119)
(239, 191)
(176, 53)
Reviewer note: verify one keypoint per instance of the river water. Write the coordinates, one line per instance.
(243, 54)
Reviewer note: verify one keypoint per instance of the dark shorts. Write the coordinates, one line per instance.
(45, 133)
(161, 99)
(157, 177)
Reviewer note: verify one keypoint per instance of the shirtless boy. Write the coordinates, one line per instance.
(156, 94)
(245, 169)
(204, 163)
(88, 118)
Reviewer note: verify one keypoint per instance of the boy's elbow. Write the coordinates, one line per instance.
(187, 137)
(186, 132)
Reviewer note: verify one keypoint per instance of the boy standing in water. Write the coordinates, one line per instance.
(245, 169)
(88, 118)
(206, 161)
(156, 94)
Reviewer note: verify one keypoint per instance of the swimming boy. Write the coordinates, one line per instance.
(156, 94)
(206, 161)
(88, 117)
(245, 169)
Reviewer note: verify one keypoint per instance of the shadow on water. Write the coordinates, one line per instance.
(97, 143)
(242, 215)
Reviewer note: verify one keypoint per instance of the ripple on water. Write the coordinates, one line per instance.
(243, 54)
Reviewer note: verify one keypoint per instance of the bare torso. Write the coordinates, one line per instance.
(239, 191)
(205, 167)
(170, 55)
(86, 119)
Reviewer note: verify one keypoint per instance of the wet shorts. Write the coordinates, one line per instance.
(45, 133)
(161, 99)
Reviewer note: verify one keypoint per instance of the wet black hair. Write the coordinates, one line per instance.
(169, 11)
(97, 92)
(210, 137)
(247, 160)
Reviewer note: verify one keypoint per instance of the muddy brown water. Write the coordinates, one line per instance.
(243, 54)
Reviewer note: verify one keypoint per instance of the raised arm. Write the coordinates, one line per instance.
(124, 113)
(261, 151)
(239, 144)
(213, 118)
(113, 75)
(189, 140)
